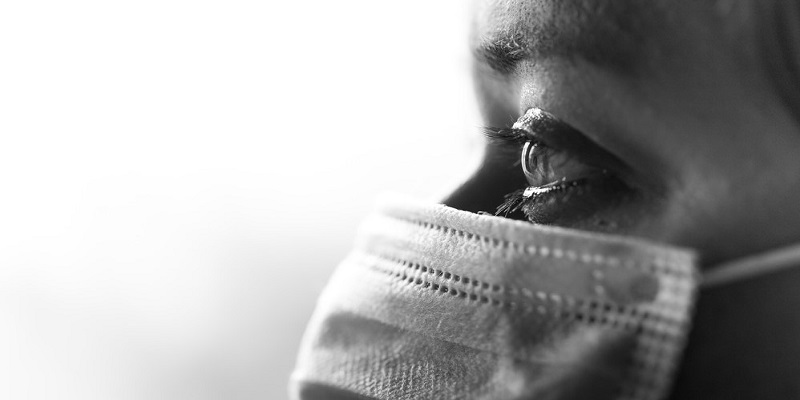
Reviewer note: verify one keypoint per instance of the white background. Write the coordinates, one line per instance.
(178, 179)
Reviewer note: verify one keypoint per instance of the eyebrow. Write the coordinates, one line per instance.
(612, 37)
(502, 53)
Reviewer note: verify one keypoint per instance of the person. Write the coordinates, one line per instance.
(617, 130)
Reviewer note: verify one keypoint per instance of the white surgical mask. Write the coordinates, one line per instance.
(438, 303)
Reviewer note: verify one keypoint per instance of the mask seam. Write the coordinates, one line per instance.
(391, 207)
(585, 311)
(657, 345)
(658, 265)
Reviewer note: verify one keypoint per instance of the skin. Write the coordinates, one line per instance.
(686, 100)
(696, 98)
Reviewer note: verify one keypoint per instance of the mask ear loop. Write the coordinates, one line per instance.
(751, 267)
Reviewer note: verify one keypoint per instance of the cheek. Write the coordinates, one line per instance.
(733, 212)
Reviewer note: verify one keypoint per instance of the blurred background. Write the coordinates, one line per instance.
(179, 178)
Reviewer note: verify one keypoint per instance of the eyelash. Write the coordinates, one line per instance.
(508, 136)
(515, 139)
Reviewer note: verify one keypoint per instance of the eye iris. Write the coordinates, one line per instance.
(544, 165)
(536, 164)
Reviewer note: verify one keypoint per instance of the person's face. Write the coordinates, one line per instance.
(687, 95)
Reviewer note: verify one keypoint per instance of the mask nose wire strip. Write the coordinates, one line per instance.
(750, 267)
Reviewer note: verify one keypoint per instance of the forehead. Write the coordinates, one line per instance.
(565, 14)
(622, 35)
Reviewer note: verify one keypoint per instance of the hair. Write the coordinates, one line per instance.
(777, 26)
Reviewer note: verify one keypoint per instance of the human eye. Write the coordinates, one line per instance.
(569, 177)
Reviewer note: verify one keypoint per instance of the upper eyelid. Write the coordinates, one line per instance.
(552, 135)
(550, 132)
(554, 132)
(536, 125)
(542, 124)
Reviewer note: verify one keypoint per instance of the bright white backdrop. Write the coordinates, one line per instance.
(178, 178)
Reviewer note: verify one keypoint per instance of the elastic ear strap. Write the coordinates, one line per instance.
(761, 264)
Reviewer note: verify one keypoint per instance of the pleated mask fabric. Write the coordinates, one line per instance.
(437, 303)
